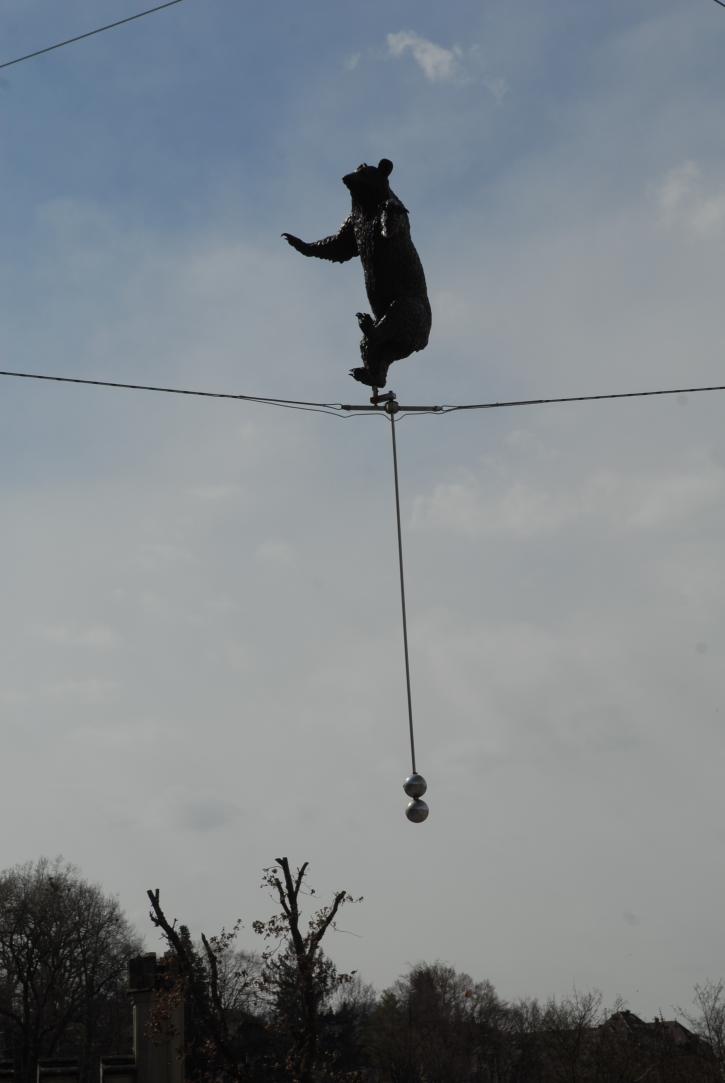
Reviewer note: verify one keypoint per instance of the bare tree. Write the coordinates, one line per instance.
(708, 1018)
(346, 1027)
(569, 1033)
(64, 948)
(437, 1024)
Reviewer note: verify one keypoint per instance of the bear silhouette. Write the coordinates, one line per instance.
(378, 231)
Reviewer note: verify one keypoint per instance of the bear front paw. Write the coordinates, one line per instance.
(295, 242)
(365, 322)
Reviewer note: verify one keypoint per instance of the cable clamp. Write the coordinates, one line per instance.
(377, 398)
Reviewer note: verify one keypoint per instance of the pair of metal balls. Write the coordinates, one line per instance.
(415, 786)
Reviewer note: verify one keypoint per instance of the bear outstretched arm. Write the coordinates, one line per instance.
(338, 248)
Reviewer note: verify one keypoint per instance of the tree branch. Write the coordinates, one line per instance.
(316, 937)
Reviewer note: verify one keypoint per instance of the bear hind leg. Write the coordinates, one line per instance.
(376, 360)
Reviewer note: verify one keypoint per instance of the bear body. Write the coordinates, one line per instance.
(378, 231)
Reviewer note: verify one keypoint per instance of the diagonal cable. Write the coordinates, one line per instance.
(575, 398)
(264, 399)
(88, 34)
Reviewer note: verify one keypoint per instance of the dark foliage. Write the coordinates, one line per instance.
(64, 949)
(287, 1016)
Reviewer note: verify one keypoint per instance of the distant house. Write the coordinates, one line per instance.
(662, 1051)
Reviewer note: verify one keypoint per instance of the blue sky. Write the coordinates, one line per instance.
(200, 628)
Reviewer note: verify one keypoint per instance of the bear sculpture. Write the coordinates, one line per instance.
(378, 231)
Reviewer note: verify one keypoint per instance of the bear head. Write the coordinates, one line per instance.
(368, 185)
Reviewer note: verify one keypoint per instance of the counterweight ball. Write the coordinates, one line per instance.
(415, 785)
(417, 811)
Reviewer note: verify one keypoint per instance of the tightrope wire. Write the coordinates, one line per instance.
(263, 400)
(339, 409)
(580, 398)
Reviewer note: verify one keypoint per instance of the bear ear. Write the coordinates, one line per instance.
(385, 166)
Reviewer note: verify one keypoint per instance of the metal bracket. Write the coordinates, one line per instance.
(389, 403)
(377, 398)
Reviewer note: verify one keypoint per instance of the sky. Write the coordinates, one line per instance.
(200, 633)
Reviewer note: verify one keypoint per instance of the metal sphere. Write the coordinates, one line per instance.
(415, 785)
(417, 811)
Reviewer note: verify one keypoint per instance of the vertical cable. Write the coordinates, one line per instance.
(402, 590)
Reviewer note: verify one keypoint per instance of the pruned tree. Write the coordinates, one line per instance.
(210, 992)
(254, 1016)
(296, 974)
(64, 949)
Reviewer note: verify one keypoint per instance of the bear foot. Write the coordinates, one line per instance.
(370, 379)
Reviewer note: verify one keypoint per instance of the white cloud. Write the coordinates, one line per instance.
(683, 200)
(438, 64)
(216, 492)
(91, 690)
(239, 657)
(708, 215)
(275, 552)
(677, 188)
(92, 635)
(130, 735)
(11, 696)
(525, 507)
(497, 85)
(442, 65)
(151, 555)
